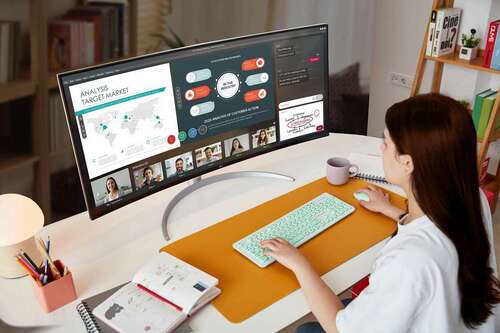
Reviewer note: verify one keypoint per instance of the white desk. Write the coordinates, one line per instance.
(106, 252)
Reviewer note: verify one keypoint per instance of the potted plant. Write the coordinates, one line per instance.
(470, 43)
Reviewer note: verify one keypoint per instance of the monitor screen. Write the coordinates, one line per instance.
(146, 123)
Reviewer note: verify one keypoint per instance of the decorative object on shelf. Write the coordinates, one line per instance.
(470, 43)
(20, 220)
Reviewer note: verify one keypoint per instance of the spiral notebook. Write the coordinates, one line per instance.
(95, 325)
(371, 169)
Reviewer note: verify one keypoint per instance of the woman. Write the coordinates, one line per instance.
(236, 147)
(435, 274)
(112, 190)
(149, 180)
(262, 140)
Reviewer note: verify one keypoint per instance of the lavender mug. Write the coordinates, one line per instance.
(339, 170)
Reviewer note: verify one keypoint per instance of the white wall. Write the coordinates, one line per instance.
(351, 23)
(399, 30)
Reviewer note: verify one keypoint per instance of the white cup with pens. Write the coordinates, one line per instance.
(53, 282)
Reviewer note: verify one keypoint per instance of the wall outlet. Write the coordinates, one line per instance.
(401, 80)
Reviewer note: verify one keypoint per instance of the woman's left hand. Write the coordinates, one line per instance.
(285, 253)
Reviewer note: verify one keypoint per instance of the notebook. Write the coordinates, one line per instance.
(371, 169)
(161, 296)
(95, 325)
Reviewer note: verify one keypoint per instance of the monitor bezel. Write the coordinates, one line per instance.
(96, 211)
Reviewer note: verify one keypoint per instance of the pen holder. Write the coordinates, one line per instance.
(56, 293)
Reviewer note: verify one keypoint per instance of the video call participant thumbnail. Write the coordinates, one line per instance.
(178, 165)
(264, 136)
(208, 154)
(236, 145)
(111, 187)
(147, 176)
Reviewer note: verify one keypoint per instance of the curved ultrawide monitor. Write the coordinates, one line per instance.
(146, 123)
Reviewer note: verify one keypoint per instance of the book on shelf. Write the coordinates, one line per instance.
(89, 34)
(483, 171)
(59, 139)
(495, 56)
(490, 43)
(123, 22)
(162, 295)
(478, 104)
(431, 31)
(10, 52)
(486, 108)
(446, 31)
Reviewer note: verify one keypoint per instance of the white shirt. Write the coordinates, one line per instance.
(413, 287)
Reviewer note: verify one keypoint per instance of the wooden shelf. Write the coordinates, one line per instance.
(16, 89)
(9, 162)
(476, 64)
(52, 79)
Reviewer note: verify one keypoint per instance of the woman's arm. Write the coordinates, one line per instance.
(379, 203)
(322, 301)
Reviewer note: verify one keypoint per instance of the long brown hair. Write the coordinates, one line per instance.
(438, 133)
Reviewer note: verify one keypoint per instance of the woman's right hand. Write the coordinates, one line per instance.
(379, 203)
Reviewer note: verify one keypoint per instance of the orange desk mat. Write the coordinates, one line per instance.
(248, 289)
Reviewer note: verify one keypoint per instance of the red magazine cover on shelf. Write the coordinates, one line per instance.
(490, 43)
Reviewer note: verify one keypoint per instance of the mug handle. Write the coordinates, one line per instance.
(353, 173)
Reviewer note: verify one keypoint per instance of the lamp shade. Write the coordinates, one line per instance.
(20, 220)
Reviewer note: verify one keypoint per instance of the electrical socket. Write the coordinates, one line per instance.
(401, 80)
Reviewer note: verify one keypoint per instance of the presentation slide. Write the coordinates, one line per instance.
(220, 91)
(125, 118)
(301, 120)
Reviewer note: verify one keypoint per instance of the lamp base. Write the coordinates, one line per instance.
(9, 267)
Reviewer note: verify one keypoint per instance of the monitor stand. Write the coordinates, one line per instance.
(199, 182)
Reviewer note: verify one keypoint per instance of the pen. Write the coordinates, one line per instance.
(48, 244)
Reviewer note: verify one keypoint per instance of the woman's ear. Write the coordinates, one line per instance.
(407, 163)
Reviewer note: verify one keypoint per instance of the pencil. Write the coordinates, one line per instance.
(43, 251)
(27, 257)
(29, 271)
(28, 265)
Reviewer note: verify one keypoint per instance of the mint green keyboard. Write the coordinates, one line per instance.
(297, 227)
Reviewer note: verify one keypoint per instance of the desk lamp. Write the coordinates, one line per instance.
(20, 220)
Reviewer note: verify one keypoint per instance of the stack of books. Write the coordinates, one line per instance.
(443, 31)
(89, 34)
(491, 57)
(9, 50)
(483, 105)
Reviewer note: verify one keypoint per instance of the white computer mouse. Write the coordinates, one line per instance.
(361, 196)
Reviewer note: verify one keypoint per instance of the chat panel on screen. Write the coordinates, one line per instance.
(300, 76)
(125, 118)
(220, 91)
